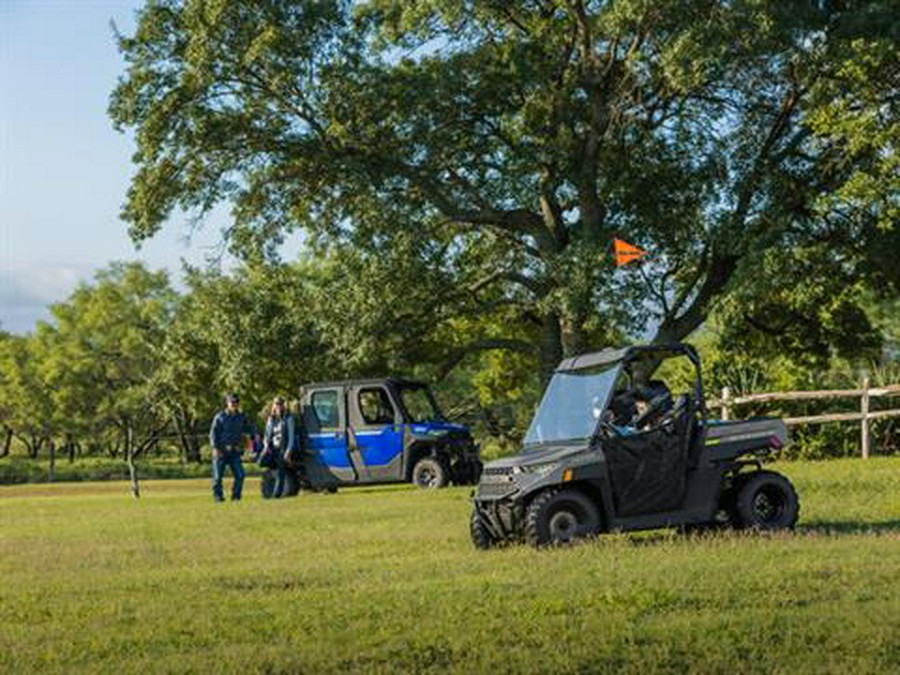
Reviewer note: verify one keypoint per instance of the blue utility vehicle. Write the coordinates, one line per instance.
(386, 430)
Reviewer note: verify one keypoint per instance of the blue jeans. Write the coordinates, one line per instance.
(231, 459)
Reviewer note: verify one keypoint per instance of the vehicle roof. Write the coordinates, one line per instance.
(610, 356)
(397, 381)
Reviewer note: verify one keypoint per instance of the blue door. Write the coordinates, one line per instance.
(378, 434)
(326, 433)
(331, 446)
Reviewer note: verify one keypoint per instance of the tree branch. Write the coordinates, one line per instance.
(723, 264)
(487, 344)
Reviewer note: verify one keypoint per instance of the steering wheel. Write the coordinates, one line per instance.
(611, 429)
(680, 404)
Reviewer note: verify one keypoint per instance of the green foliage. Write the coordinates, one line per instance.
(503, 145)
(103, 349)
(386, 580)
(128, 351)
(758, 363)
(256, 327)
(23, 398)
(804, 304)
(85, 381)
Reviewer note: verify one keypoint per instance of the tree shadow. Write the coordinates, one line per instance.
(828, 527)
(825, 528)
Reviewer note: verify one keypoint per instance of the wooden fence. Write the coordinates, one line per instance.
(865, 394)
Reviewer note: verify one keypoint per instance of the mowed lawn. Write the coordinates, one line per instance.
(385, 580)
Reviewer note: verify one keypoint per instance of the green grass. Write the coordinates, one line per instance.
(385, 580)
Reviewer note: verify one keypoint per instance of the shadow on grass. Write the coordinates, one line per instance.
(849, 527)
(827, 528)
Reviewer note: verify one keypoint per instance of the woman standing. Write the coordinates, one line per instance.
(279, 439)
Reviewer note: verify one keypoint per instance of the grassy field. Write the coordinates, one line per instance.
(385, 580)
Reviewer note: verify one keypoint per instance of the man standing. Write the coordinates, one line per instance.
(225, 436)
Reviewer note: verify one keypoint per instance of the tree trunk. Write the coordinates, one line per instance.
(52, 449)
(7, 440)
(574, 340)
(184, 426)
(71, 449)
(113, 450)
(129, 456)
(195, 447)
(182, 442)
(32, 446)
(551, 347)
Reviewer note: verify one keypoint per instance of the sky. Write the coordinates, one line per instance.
(64, 170)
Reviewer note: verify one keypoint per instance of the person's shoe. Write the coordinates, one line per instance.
(218, 499)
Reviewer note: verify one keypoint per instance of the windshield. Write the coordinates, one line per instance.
(572, 405)
(420, 405)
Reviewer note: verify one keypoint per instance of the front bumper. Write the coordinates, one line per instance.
(495, 500)
(503, 518)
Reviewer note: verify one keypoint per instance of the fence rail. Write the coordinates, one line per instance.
(865, 394)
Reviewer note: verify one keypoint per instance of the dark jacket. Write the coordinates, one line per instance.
(227, 429)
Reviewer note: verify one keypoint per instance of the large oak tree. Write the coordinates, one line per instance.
(510, 141)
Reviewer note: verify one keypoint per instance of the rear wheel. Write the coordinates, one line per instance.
(481, 537)
(291, 484)
(429, 473)
(557, 517)
(766, 501)
(267, 484)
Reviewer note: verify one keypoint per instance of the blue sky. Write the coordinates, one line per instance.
(64, 170)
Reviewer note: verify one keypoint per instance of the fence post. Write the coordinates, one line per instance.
(726, 396)
(864, 410)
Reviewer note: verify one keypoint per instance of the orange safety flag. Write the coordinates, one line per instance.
(625, 252)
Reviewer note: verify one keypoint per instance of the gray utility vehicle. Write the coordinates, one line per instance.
(386, 430)
(611, 449)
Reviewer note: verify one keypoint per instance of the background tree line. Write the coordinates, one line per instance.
(130, 367)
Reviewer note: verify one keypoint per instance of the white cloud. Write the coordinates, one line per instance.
(27, 291)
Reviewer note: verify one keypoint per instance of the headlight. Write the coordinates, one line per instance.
(542, 469)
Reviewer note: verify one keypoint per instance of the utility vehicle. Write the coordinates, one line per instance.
(610, 449)
(385, 430)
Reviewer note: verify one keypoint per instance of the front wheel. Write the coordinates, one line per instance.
(557, 517)
(767, 501)
(481, 536)
(429, 473)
